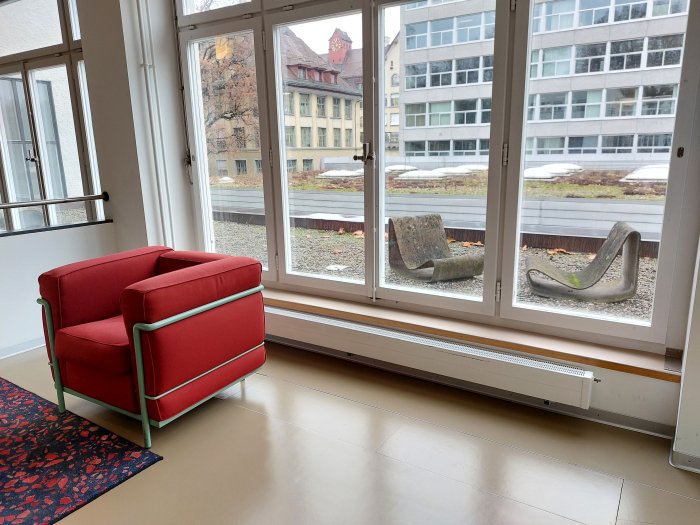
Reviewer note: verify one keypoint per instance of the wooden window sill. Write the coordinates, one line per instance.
(622, 360)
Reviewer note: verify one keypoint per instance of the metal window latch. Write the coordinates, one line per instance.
(30, 157)
(367, 153)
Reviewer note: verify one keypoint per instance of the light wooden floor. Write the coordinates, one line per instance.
(311, 440)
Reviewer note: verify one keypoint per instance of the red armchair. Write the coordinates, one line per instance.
(152, 333)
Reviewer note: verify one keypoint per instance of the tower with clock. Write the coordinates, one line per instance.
(338, 46)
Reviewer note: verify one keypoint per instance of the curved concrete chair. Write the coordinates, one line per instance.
(585, 284)
(420, 242)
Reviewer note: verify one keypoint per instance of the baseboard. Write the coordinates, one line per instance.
(9, 351)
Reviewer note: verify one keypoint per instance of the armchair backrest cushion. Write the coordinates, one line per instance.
(178, 259)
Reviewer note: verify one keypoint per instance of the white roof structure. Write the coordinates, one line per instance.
(399, 167)
(339, 174)
(561, 168)
(421, 175)
(653, 172)
(538, 173)
(455, 170)
(226, 179)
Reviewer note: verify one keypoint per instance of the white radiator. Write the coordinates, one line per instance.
(525, 375)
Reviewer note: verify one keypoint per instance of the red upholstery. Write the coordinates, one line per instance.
(94, 338)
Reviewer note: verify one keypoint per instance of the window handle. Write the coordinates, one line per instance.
(30, 157)
(367, 153)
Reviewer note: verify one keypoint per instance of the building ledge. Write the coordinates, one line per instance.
(635, 362)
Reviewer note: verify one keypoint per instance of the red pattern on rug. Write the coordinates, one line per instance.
(52, 464)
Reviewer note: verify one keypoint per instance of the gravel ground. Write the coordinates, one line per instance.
(317, 250)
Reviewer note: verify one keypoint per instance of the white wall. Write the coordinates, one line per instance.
(29, 25)
(22, 259)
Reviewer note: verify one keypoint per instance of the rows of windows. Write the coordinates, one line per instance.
(600, 144)
(634, 101)
(452, 30)
(470, 70)
(340, 138)
(657, 51)
(446, 148)
(336, 107)
(293, 165)
(448, 113)
(557, 15)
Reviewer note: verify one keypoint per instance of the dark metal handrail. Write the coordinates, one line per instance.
(104, 196)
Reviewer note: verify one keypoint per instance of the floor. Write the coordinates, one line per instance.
(311, 439)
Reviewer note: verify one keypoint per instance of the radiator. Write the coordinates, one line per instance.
(538, 378)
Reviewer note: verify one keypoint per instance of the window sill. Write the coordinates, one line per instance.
(622, 360)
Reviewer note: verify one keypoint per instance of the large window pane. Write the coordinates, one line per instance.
(27, 25)
(440, 167)
(228, 109)
(597, 155)
(321, 67)
(200, 6)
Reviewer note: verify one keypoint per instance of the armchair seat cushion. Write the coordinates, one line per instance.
(101, 345)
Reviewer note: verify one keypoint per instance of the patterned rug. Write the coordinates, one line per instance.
(52, 464)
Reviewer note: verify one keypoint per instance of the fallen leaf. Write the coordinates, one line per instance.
(556, 251)
(337, 252)
(386, 236)
(469, 244)
(359, 234)
(341, 231)
(590, 256)
(524, 248)
(450, 240)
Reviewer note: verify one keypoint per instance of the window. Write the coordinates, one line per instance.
(307, 164)
(617, 144)
(668, 7)
(484, 146)
(531, 106)
(32, 24)
(438, 148)
(583, 145)
(336, 138)
(415, 148)
(487, 62)
(550, 145)
(467, 70)
(258, 166)
(304, 104)
(553, 106)
(559, 14)
(288, 103)
(586, 104)
(489, 24)
(630, 10)
(416, 5)
(348, 138)
(239, 140)
(465, 111)
(394, 80)
(394, 119)
(626, 54)
(241, 167)
(336, 107)
(416, 76)
(348, 109)
(537, 18)
(301, 73)
(221, 168)
(592, 12)
(535, 62)
(590, 58)
(290, 139)
(415, 115)
(321, 136)
(417, 35)
(485, 110)
(441, 73)
(469, 28)
(664, 50)
(320, 106)
(305, 137)
(556, 61)
(464, 147)
(394, 100)
(441, 32)
(659, 100)
(621, 102)
(440, 113)
(291, 165)
(658, 143)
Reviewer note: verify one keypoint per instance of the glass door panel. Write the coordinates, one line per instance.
(436, 80)
(227, 122)
(320, 96)
(598, 130)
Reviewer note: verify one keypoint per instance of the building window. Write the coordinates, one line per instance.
(467, 70)
(441, 32)
(489, 24)
(307, 164)
(394, 119)
(417, 35)
(531, 106)
(487, 64)
(485, 110)
(415, 115)
(288, 99)
(392, 139)
(659, 100)
(553, 106)
(630, 10)
(617, 144)
(415, 148)
(469, 28)
(440, 113)
(535, 62)
(304, 104)
(559, 14)
(239, 138)
(416, 76)
(305, 137)
(258, 166)
(550, 145)
(621, 102)
(626, 54)
(394, 80)
(320, 106)
(438, 148)
(416, 5)
(394, 100)
(465, 111)
(291, 165)
(464, 147)
(221, 168)
(441, 73)
(592, 12)
(241, 167)
(590, 58)
(336, 138)
(668, 7)
(301, 73)
(336, 107)
(348, 139)
(658, 143)
(586, 104)
(664, 50)
(290, 139)
(348, 109)
(556, 61)
(484, 146)
(579, 145)
(321, 137)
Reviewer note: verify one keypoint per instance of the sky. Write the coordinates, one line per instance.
(317, 33)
